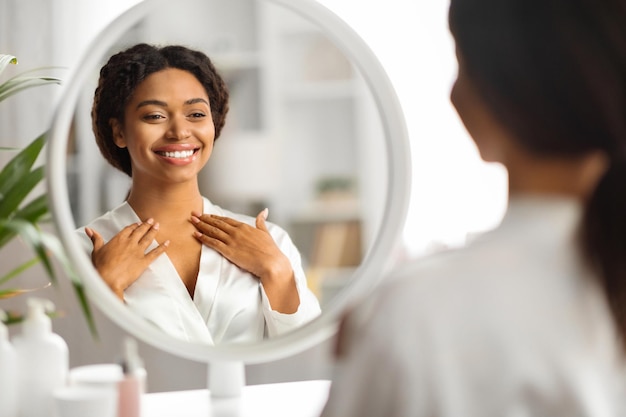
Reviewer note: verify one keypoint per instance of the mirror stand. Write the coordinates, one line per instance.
(226, 379)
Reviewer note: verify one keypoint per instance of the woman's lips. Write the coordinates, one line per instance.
(176, 154)
(178, 157)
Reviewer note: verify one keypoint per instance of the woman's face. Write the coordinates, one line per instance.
(168, 128)
(487, 133)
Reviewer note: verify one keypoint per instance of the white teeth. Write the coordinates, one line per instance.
(178, 154)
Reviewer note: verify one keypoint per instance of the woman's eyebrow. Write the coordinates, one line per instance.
(196, 100)
(151, 102)
(164, 104)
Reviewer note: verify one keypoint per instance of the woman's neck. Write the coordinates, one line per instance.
(572, 176)
(165, 204)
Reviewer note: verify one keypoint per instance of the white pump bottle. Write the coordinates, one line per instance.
(8, 374)
(42, 360)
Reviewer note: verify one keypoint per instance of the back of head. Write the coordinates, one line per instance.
(554, 73)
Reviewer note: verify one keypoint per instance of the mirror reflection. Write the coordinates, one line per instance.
(302, 138)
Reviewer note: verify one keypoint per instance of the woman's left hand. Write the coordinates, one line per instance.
(254, 250)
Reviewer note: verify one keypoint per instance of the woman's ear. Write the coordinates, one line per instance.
(118, 134)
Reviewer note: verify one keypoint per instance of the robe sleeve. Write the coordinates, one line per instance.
(376, 373)
(309, 308)
(84, 241)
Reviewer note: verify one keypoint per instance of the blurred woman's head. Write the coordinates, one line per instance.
(552, 72)
(551, 76)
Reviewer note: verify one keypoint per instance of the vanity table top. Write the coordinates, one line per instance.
(289, 399)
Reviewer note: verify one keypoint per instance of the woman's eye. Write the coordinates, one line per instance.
(197, 115)
(153, 117)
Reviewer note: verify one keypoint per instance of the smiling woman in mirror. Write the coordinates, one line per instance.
(197, 271)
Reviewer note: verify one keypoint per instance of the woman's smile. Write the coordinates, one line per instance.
(180, 154)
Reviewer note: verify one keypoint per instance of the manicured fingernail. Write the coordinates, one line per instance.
(195, 219)
(166, 243)
(197, 234)
(266, 213)
(156, 226)
(150, 221)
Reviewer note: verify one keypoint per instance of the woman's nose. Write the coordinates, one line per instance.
(178, 129)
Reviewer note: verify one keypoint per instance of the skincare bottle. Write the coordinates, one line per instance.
(42, 361)
(8, 373)
(133, 385)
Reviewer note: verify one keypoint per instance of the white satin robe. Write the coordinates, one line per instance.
(513, 325)
(229, 304)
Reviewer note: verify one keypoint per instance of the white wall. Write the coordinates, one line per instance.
(453, 193)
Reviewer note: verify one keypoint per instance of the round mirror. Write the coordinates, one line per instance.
(315, 133)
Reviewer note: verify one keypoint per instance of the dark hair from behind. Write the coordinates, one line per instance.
(554, 73)
(124, 71)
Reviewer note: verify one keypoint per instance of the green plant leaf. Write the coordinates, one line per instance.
(54, 245)
(11, 317)
(14, 292)
(34, 238)
(42, 244)
(9, 293)
(35, 210)
(14, 197)
(6, 235)
(38, 69)
(17, 84)
(5, 60)
(17, 180)
(16, 271)
(18, 167)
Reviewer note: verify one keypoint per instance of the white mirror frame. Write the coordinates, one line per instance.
(376, 262)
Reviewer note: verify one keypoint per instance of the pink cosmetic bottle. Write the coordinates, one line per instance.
(133, 385)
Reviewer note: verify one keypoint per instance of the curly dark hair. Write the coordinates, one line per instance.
(127, 69)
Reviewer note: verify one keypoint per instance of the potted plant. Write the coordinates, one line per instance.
(21, 214)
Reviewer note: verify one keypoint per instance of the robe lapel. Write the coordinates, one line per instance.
(211, 264)
(160, 296)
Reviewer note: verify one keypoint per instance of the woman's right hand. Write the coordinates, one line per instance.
(123, 258)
